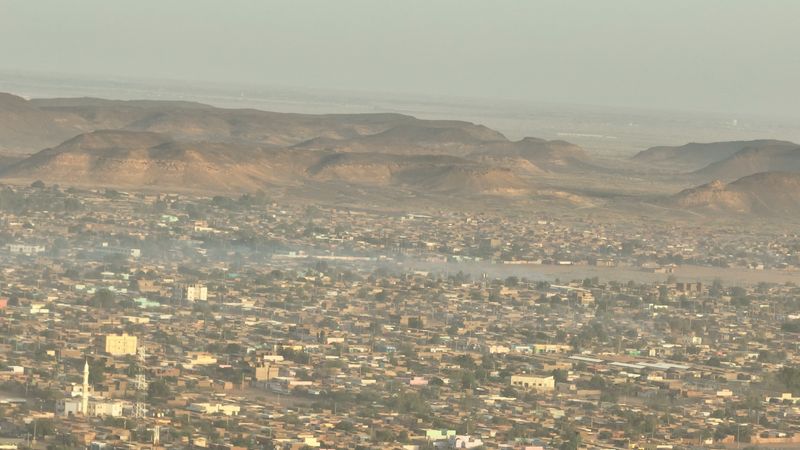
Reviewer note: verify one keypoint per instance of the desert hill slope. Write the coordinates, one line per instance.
(428, 137)
(150, 160)
(130, 159)
(431, 173)
(769, 157)
(539, 154)
(767, 193)
(199, 122)
(25, 128)
(186, 145)
(694, 156)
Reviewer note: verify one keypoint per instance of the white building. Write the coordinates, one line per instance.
(25, 249)
(76, 405)
(462, 441)
(69, 407)
(215, 408)
(196, 292)
(199, 359)
(192, 293)
(94, 407)
(104, 408)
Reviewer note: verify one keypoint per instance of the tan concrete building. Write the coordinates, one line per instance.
(120, 344)
(534, 383)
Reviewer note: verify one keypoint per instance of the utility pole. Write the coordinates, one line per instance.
(738, 435)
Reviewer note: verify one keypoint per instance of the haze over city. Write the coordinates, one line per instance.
(399, 225)
(735, 56)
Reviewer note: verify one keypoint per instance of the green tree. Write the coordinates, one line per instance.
(560, 375)
(789, 377)
(102, 298)
(158, 391)
(97, 371)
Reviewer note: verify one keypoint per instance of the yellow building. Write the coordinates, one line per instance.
(551, 348)
(534, 383)
(120, 344)
(267, 372)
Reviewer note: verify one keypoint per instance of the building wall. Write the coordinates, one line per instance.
(266, 373)
(102, 409)
(534, 383)
(196, 292)
(117, 345)
(68, 406)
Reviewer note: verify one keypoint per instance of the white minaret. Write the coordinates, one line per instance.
(85, 393)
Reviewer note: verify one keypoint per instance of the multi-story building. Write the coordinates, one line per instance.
(534, 383)
(192, 292)
(120, 344)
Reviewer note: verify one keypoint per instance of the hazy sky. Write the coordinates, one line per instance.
(737, 56)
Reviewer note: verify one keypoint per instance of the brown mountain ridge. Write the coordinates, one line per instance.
(143, 159)
(725, 161)
(184, 145)
(767, 193)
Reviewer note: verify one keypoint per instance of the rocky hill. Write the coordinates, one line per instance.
(25, 128)
(768, 157)
(150, 160)
(535, 155)
(198, 122)
(130, 159)
(694, 156)
(417, 137)
(184, 145)
(768, 193)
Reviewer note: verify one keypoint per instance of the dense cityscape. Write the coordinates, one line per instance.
(150, 321)
(399, 225)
